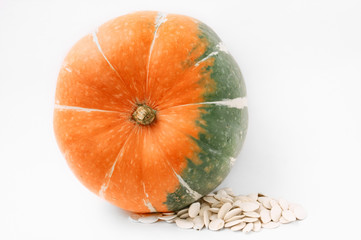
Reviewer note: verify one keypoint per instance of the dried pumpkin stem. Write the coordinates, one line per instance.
(144, 115)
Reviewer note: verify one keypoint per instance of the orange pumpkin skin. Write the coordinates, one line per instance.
(178, 67)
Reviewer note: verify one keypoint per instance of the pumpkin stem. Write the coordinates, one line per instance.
(144, 115)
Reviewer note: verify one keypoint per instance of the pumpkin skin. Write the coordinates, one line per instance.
(178, 67)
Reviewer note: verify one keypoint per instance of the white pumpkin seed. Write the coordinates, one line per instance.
(235, 218)
(271, 225)
(237, 203)
(300, 212)
(239, 226)
(217, 205)
(253, 196)
(167, 217)
(134, 217)
(210, 199)
(214, 210)
(224, 210)
(235, 222)
(249, 206)
(216, 224)
(262, 199)
(213, 217)
(182, 223)
(206, 218)
(273, 202)
(265, 216)
(249, 219)
(292, 206)
(283, 204)
(289, 215)
(276, 212)
(204, 208)
(244, 198)
(198, 223)
(267, 203)
(247, 228)
(257, 226)
(251, 214)
(232, 213)
(261, 207)
(283, 220)
(226, 200)
(181, 212)
(184, 215)
(148, 219)
(194, 209)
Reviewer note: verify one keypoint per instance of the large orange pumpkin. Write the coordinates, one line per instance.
(150, 111)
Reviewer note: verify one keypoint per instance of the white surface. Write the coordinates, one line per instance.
(302, 64)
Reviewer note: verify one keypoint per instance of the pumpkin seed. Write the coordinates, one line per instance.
(224, 210)
(265, 216)
(253, 196)
(276, 212)
(237, 203)
(235, 218)
(300, 212)
(181, 212)
(226, 200)
(247, 228)
(148, 219)
(182, 223)
(204, 208)
(194, 209)
(214, 210)
(233, 223)
(257, 226)
(216, 224)
(184, 215)
(249, 206)
(213, 217)
(266, 203)
(232, 213)
(271, 225)
(198, 223)
(206, 218)
(244, 198)
(283, 204)
(273, 202)
(283, 220)
(289, 215)
(217, 205)
(239, 226)
(251, 214)
(167, 217)
(249, 220)
(210, 199)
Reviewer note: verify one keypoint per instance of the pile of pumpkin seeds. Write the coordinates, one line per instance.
(224, 209)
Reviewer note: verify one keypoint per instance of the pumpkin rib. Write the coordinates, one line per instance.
(81, 109)
(239, 103)
(109, 173)
(201, 64)
(160, 19)
(96, 41)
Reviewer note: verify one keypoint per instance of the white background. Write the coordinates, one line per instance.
(301, 61)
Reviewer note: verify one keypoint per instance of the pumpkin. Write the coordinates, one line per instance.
(150, 111)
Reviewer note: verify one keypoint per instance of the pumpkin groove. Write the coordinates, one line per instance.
(176, 66)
